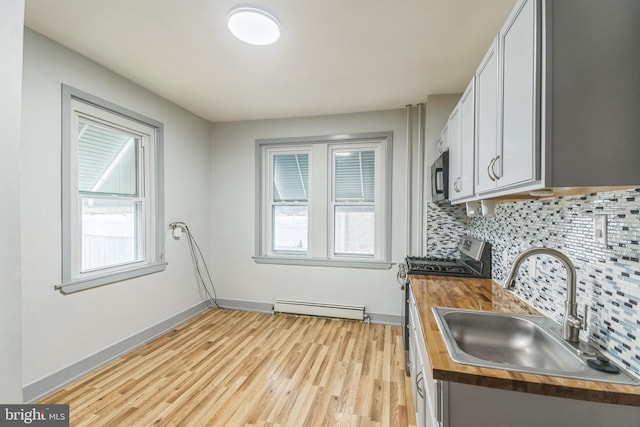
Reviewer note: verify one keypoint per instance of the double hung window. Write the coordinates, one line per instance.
(324, 200)
(112, 193)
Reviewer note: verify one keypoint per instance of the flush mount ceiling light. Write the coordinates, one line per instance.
(254, 26)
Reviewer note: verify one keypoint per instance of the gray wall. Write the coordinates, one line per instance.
(237, 276)
(59, 330)
(11, 28)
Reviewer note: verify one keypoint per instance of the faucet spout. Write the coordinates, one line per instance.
(571, 323)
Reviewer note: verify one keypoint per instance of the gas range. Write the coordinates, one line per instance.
(438, 266)
(474, 261)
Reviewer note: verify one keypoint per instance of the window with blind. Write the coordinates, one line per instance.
(290, 209)
(325, 200)
(354, 201)
(112, 193)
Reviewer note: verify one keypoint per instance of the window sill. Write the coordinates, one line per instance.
(105, 279)
(324, 262)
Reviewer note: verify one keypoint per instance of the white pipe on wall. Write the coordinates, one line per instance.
(420, 185)
(408, 225)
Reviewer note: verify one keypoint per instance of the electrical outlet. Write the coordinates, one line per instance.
(600, 229)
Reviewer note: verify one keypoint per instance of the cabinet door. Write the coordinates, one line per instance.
(461, 137)
(487, 124)
(519, 136)
(455, 153)
(444, 136)
(467, 141)
(423, 417)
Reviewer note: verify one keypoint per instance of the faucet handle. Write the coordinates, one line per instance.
(585, 313)
(577, 322)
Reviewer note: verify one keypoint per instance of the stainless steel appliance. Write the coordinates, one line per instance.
(474, 261)
(440, 178)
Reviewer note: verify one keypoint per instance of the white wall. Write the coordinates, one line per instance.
(237, 276)
(11, 28)
(59, 330)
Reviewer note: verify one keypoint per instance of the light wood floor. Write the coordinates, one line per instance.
(236, 368)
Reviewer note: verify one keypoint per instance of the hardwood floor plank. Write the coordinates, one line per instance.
(237, 368)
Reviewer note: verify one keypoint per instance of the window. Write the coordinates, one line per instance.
(290, 202)
(324, 200)
(112, 210)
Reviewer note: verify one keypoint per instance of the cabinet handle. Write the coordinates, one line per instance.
(419, 379)
(438, 400)
(490, 168)
(493, 167)
(455, 185)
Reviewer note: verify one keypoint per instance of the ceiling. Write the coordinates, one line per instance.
(334, 56)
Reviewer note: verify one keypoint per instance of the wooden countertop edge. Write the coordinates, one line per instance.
(545, 389)
(446, 369)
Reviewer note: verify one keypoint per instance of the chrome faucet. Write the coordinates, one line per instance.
(571, 323)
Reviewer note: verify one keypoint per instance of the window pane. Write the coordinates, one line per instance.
(290, 229)
(290, 177)
(107, 159)
(111, 233)
(354, 230)
(355, 175)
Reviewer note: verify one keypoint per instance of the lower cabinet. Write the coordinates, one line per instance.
(428, 394)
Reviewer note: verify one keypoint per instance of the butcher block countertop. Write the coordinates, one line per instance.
(484, 294)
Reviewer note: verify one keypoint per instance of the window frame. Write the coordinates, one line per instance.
(77, 104)
(321, 194)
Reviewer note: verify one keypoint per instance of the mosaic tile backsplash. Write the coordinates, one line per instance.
(446, 222)
(608, 277)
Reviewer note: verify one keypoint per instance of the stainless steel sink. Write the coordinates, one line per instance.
(517, 342)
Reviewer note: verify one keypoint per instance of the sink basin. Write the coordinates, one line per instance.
(517, 342)
(509, 340)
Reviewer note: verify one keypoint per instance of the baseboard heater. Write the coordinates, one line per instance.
(319, 309)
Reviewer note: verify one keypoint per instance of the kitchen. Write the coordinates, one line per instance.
(231, 157)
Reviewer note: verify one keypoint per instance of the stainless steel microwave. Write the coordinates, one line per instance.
(440, 178)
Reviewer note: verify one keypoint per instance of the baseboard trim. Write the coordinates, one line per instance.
(261, 307)
(385, 319)
(47, 385)
(265, 307)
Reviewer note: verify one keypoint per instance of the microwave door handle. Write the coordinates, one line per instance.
(438, 188)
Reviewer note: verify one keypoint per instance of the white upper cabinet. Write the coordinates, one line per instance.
(455, 153)
(557, 101)
(519, 110)
(461, 138)
(488, 147)
(467, 136)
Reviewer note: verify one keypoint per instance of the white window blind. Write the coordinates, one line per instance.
(355, 176)
(290, 177)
